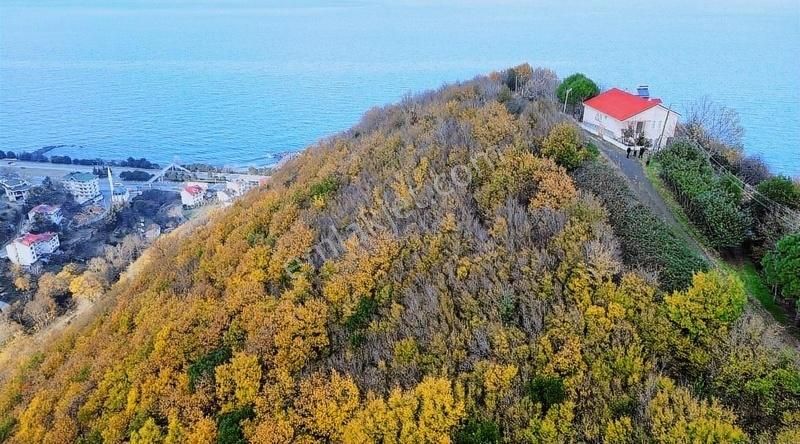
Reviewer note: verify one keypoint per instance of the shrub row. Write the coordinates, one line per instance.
(707, 198)
(646, 240)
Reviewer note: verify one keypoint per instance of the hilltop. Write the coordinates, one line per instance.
(458, 267)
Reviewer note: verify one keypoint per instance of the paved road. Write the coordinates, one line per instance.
(633, 170)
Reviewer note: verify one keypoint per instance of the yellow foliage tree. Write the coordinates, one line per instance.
(426, 414)
(88, 285)
(325, 405)
(676, 417)
(238, 381)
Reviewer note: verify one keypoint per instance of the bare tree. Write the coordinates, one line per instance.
(542, 85)
(710, 123)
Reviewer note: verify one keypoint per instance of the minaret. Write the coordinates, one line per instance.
(110, 182)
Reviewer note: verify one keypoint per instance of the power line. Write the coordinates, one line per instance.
(785, 214)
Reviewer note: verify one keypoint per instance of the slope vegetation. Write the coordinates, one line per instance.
(427, 276)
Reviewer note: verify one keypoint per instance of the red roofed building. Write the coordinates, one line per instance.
(193, 194)
(27, 249)
(612, 111)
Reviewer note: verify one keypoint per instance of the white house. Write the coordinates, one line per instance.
(16, 189)
(51, 213)
(27, 249)
(83, 186)
(609, 113)
(193, 194)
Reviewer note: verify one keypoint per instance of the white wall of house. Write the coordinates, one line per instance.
(653, 119)
(652, 123)
(21, 254)
(605, 123)
(55, 217)
(83, 191)
(27, 255)
(188, 199)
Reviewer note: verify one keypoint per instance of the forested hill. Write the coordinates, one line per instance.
(432, 275)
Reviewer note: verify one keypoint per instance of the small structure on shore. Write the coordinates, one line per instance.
(618, 115)
(29, 248)
(16, 189)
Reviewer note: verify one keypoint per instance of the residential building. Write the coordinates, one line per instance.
(225, 196)
(51, 213)
(192, 194)
(120, 196)
(29, 248)
(240, 186)
(615, 110)
(83, 186)
(16, 189)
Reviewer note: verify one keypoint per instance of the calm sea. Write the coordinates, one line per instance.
(232, 82)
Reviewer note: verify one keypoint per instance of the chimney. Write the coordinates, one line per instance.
(643, 91)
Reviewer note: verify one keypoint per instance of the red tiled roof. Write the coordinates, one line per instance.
(619, 104)
(193, 189)
(30, 238)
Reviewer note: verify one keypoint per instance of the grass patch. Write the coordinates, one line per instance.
(755, 285)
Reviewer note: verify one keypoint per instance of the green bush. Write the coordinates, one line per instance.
(645, 239)
(782, 190)
(229, 426)
(479, 432)
(204, 367)
(708, 200)
(782, 266)
(547, 390)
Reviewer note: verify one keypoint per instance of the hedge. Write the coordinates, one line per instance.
(645, 239)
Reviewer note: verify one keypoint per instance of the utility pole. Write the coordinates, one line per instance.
(663, 128)
(566, 97)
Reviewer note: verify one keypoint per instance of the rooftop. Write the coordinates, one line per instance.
(29, 238)
(194, 190)
(620, 104)
(80, 177)
(14, 184)
(44, 208)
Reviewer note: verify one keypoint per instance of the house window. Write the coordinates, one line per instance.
(639, 127)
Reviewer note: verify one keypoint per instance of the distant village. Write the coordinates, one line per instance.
(52, 218)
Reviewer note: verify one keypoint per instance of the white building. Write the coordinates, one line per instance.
(119, 193)
(50, 213)
(225, 196)
(120, 196)
(615, 110)
(83, 186)
(240, 186)
(16, 189)
(27, 249)
(193, 194)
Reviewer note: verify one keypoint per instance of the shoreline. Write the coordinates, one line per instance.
(37, 159)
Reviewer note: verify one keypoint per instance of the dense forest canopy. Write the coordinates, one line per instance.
(434, 274)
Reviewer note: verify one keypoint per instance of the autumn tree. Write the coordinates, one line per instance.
(564, 145)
